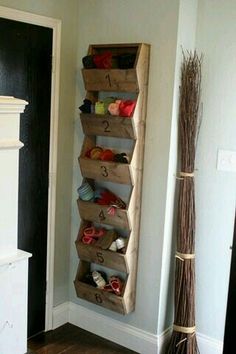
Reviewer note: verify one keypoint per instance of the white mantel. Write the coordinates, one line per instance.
(10, 109)
(13, 262)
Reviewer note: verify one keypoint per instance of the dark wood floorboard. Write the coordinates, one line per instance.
(69, 339)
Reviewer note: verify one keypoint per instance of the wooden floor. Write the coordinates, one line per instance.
(69, 339)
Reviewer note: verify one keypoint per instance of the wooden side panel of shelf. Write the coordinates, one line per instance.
(114, 80)
(137, 166)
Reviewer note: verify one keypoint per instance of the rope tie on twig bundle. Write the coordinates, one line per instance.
(182, 329)
(183, 256)
(184, 174)
(185, 330)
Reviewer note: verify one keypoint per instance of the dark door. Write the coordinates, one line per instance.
(25, 72)
(229, 340)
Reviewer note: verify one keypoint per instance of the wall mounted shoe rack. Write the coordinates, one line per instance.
(135, 81)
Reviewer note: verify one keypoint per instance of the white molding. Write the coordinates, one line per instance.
(19, 255)
(60, 315)
(55, 25)
(208, 345)
(10, 104)
(10, 144)
(124, 334)
(163, 340)
(28, 17)
(119, 332)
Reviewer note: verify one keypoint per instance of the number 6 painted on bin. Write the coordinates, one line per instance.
(98, 298)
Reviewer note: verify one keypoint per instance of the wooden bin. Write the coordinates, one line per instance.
(107, 125)
(103, 170)
(106, 258)
(114, 79)
(99, 213)
(98, 296)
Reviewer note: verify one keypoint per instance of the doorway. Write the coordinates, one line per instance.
(25, 72)
(229, 338)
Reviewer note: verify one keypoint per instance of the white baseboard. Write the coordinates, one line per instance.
(60, 315)
(124, 334)
(128, 336)
(208, 345)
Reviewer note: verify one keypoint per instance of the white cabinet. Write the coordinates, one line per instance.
(13, 262)
(13, 304)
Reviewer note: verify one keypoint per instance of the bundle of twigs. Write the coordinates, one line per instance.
(183, 340)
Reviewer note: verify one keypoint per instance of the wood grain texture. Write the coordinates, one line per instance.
(98, 296)
(94, 254)
(107, 125)
(99, 213)
(106, 171)
(110, 80)
(69, 339)
(128, 219)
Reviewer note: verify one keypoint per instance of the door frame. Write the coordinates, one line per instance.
(55, 25)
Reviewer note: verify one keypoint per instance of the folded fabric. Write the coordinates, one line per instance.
(114, 109)
(126, 108)
(99, 107)
(103, 61)
(86, 107)
(88, 62)
(126, 61)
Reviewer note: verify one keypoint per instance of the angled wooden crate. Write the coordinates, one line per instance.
(99, 213)
(103, 170)
(97, 296)
(106, 258)
(107, 125)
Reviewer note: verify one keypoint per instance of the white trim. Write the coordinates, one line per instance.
(19, 255)
(10, 144)
(208, 345)
(124, 334)
(55, 24)
(60, 315)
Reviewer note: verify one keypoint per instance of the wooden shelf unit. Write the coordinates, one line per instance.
(134, 80)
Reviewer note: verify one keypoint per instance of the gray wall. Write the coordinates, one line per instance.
(154, 22)
(67, 12)
(216, 190)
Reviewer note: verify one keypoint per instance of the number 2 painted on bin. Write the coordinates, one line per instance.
(106, 126)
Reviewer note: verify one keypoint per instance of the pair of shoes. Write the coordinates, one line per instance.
(91, 234)
(98, 279)
(115, 285)
(118, 245)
